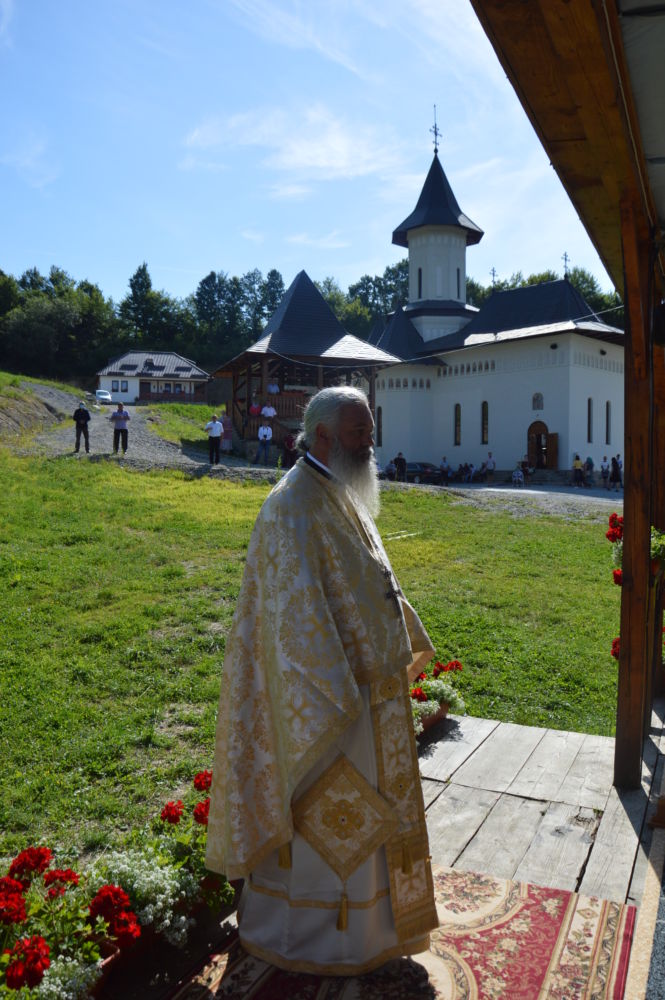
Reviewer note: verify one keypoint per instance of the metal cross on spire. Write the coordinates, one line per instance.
(565, 260)
(436, 133)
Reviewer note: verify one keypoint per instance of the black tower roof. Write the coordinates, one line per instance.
(437, 206)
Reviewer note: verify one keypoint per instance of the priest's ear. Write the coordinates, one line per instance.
(322, 442)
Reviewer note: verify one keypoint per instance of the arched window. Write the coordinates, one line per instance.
(421, 383)
(589, 420)
(420, 282)
(390, 383)
(537, 401)
(428, 384)
(458, 424)
(608, 422)
(379, 426)
(456, 369)
(468, 369)
(414, 383)
(487, 367)
(474, 369)
(484, 423)
(459, 296)
(492, 365)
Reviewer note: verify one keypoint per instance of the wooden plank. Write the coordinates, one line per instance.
(463, 734)
(559, 850)
(499, 846)
(544, 772)
(610, 866)
(454, 818)
(431, 790)
(496, 763)
(589, 780)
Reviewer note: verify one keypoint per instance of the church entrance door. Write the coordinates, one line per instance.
(538, 440)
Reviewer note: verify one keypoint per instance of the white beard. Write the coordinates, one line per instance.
(359, 477)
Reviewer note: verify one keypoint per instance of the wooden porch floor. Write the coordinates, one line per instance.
(538, 805)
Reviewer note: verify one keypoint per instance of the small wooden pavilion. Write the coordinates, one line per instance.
(590, 75)
(304, 348)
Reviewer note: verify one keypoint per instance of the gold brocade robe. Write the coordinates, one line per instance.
(321, 632)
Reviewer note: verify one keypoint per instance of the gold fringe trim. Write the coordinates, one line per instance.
(414, 926)
(284, 856)
(343, 917)
(407, 858)
(319, 904)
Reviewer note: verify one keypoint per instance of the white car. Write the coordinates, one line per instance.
(103, 396)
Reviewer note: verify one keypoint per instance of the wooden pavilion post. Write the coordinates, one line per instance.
(658, 505)
(635, 638)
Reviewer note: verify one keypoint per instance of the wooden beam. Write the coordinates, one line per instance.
(658, 505)
(634, 657)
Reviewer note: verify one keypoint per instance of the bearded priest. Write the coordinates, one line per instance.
(316, 799)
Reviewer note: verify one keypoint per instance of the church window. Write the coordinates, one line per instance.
(390, 383)
(414, 383)
(487, 367)
(589, 420)
(420, 282)
(484, 423)
(458, 424)
(421, 384)
(468, 369)
(537, 401)
(608, 422)
(428, 384)
(438, 373)
(456, 370)
(492, 365)
(379, 426)
(474, 367)
(458, 284)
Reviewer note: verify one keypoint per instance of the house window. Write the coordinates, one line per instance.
(123, 385)
(484, 423)
(420, 282)
(379, 426)
(114, 385)
(458, 424)
(608, 422)
(589, 420)
(537, 401)
(178, 387)
(167, 387)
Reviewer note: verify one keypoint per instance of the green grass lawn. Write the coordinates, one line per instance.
(118, 589)
(182, 423)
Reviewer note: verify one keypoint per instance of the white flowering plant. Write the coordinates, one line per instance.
(432, 689)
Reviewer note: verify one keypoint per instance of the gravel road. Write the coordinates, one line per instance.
(146, 450)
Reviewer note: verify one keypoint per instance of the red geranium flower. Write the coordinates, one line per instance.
(418, 694)
(201, 810)
(455, 665)
(202, 781)
(109, 901)
(616, 647)
(172, 812)
(9, 886)
(615, 521)
(59, 879)
(32, 861)
(617, 576)
(438, 669)
(28, 961)
(125, 928)
(613, 535)
(12, 908)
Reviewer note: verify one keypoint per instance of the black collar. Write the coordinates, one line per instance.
(317, 468)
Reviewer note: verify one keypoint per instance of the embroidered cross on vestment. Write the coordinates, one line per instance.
(393, 590)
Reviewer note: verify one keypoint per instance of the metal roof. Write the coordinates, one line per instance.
(154, 364)
(437, 206)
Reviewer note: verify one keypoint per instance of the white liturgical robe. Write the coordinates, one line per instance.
(316, 799)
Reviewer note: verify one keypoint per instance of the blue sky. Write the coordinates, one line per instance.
(232, 134)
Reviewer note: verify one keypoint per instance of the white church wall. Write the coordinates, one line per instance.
(405, 411)
(596, 374)
(437, 263)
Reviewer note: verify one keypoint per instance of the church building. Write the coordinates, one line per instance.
(533, 372)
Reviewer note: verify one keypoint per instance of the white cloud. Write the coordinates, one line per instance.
(30, 161)
(309, 142)
(6, 14)
(330, 242)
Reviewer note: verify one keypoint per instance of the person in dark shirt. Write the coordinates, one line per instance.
(400, 465)
(81, 418)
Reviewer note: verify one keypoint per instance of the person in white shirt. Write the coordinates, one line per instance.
(490, 466)
(605, 472)
(265, 437)
(268, 411)
(215, 429)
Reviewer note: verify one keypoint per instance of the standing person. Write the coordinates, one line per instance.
(119, 419)
(290, 451)
(265, 437)
(390, 470)
(444, 471)
(400, 465)
(324, 819)
(81, 418)
(490, 466)
(588, 472)
(215, 429)
(578, 471)
(524, 465)
(268, 410)
(615, 475)
(227, 432)
(620, 468)
(605, 472)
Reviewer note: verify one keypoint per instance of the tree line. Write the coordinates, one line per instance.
(57, 327)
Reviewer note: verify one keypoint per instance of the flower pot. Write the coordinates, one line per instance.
(431, 720)
(110, 955)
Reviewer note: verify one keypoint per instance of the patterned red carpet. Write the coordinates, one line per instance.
(498, 940)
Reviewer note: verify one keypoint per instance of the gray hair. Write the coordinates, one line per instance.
(324, 408)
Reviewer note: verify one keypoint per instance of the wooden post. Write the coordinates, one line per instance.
(637, 507)
(658, 504)
(264, 377)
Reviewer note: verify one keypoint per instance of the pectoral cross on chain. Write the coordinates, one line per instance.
(393, 590)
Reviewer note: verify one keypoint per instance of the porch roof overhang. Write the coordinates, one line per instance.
(590, 75)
